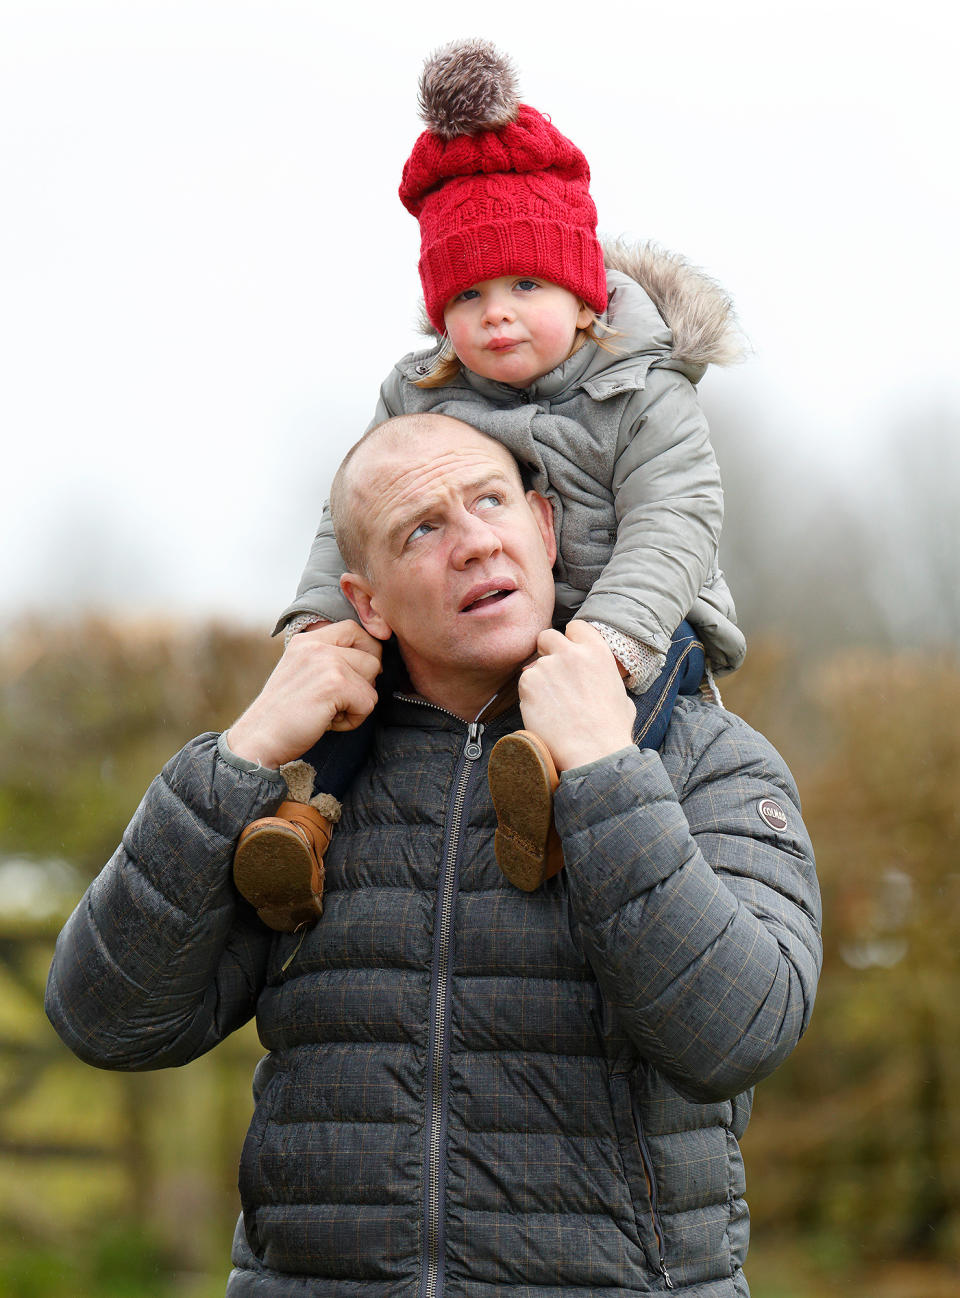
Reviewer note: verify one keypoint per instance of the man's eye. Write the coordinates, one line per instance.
(420, 530)
(489, 501)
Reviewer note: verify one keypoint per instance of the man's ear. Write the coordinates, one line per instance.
(360, 594)
(543, 513)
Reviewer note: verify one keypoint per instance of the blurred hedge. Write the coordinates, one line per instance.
(852, 1179)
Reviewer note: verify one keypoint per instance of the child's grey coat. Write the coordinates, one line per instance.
(618, 443)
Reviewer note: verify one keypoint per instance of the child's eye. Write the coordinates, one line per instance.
(467, 295)
(527, 285)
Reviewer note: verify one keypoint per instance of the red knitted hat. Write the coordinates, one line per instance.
(495, 186)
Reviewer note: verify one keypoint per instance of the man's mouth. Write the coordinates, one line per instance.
(487, 599)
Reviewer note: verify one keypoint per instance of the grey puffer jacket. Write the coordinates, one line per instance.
(618, 443)
(470, 1090)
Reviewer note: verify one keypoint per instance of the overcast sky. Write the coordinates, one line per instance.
(206, 271)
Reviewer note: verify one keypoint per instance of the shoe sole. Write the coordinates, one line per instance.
(521, 786)
(273, 870)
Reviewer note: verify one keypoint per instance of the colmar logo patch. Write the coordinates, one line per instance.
(772, 814)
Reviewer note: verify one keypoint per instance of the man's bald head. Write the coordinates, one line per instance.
(446, 553)
(354, 486)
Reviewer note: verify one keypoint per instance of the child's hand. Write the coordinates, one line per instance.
(573, 698)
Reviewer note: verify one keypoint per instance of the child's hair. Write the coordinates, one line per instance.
(446, 365)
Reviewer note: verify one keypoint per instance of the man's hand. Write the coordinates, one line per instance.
(324, 681)
(573, 698)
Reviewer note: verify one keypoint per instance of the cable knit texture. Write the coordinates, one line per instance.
(495, 186)
(641, 663)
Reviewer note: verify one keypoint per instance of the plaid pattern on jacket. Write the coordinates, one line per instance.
(471, 1090)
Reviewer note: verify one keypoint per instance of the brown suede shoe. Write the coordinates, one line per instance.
(278, 865)
(522, 778)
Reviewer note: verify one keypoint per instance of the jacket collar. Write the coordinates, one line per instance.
(506, 699)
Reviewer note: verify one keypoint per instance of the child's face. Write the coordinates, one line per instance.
(515, 328)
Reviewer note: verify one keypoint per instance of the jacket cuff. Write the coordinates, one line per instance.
(182, 838)
(244, 764)
(622, 827)
(322, 601)
(641, 663)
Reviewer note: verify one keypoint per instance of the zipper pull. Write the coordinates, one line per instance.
(472, 748)
(666, 1275)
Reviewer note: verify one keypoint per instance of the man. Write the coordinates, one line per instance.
(469, 1089)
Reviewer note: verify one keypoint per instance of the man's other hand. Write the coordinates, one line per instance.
(572, 696)
(324, 681)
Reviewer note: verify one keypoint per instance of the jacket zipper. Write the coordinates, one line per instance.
(654, 1203)
(430, 1286)
(433, 1192)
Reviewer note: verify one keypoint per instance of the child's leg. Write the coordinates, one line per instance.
(278, 865)
(278, 862)
(681, 674)
(523, 778)
(337, 757)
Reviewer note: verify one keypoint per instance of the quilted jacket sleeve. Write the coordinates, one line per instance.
(669, 511)
(700, 920)
(161, 959)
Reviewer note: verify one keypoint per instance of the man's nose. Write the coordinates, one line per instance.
(473, 539)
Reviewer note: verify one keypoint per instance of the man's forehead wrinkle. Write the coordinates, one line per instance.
(406, 490)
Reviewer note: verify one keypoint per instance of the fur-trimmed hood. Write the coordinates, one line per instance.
(697, 310)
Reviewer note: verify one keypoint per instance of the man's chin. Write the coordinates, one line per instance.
(479, 654)
(503, 649)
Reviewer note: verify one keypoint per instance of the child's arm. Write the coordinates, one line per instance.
(319, 595)
(669, 510)
(319, 592)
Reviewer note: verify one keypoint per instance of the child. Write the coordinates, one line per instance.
(581, 360)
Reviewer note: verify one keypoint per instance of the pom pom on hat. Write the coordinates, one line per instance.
(467, 87)
(495, 186)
